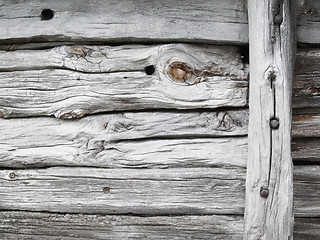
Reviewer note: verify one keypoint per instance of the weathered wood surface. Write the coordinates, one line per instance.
(308, 21)
(186, 76)
(143, 191)
(144, 21)
(37, 225)
(26, 225)
(306, 86)
(125, 21)
(269, 183)
(306, 149)
(119, 191)
(142, 139)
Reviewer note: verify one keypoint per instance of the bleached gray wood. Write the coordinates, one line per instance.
(272, 54)
(23, 225)
(214, 77)
(119, 191)
(306, 126)
(125, 21)
(306, 85)
(307, 188)
(306, 149)
(37, 225)
(143, 191)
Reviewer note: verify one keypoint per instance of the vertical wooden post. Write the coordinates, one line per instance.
(269, 188)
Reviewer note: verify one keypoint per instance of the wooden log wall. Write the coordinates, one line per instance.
(104, 139)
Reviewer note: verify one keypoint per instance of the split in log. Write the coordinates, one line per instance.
(212, 77)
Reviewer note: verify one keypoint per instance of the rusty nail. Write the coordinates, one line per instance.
(264, 192)
(278, 19)
(12, 175)
(274, 123)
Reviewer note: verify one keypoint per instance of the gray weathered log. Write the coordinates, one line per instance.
(23, 225)
(145, 139)
(306, 149)
(38, 226)
(119, 191)
(183, 21)
(186, 76)
(125, 21)
(144, 191)
(306, 85)
(269, 189)
(308, 21)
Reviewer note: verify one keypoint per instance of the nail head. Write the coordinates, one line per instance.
(274, 123)
(264, 192)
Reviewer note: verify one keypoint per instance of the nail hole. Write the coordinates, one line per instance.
(244, 51)
(106, 190)
(149, 70)
(46, 14)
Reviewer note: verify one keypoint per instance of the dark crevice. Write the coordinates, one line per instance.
(119, 214)
(244, 51)
(297, 162)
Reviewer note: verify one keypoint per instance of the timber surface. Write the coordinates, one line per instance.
(69, 82)
(222, 21)
(37, 225)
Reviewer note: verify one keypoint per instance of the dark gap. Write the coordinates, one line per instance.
(244, 51)
(297, 162)
(120, 214)
(46, 14)
(149, 70)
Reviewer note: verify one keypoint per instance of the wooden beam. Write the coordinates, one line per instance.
(269, 189)
(69, 82)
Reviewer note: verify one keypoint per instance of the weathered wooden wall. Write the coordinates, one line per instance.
(139, 141)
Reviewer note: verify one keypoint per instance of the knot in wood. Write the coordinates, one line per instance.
(180, 72)
(12, 175)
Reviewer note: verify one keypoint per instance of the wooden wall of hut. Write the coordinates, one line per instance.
(129, 119)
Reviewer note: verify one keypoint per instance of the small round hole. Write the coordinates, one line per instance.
(46, 14)
(149, 70)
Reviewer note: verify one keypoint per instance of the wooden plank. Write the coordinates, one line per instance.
(307, 191)
(306, 86)
(143, 21)
(185, 77)
(122, 191)
(36, 225)
(77, 226)
(306, 149)
(308, 21)
(269, 167)
(177, 191)
(306, 126)
(307, 228)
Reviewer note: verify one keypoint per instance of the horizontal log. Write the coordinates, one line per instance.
(144, 191)
(144, 21)
(306, 149)
(306, 85)
(36, 225)
(142, 139)
(98, 79)
(77, 226)
(121, 191)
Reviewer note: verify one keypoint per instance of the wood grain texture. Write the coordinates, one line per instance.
(136, 140)
(37, 225)
(308, 19)
(306, 149)
(125, 21)
(176, 191)
(306, 86)
(72, 81)
(269, 166)
(23, 225)
(122, 191)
